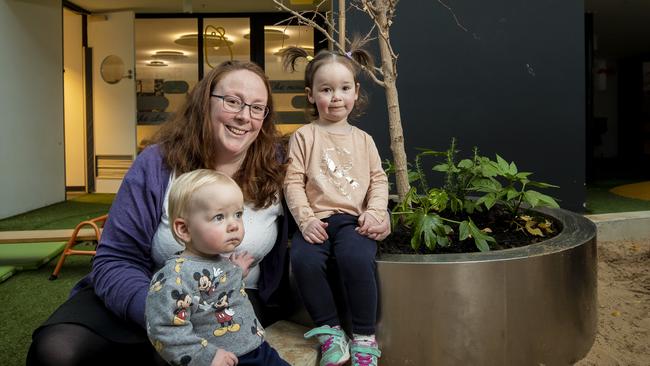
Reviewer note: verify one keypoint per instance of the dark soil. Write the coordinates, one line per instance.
(506, 234)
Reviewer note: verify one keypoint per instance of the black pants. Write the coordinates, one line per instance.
(83, 332)
(355, 261)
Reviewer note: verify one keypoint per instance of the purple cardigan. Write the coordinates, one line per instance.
(123, 266)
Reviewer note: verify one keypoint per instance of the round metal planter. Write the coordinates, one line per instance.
(534, 305)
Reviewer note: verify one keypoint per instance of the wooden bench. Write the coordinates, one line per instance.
(87, 230)
(40, 236)
(287, 338)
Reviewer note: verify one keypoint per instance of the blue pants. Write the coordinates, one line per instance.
(355, 261)
(263, 355)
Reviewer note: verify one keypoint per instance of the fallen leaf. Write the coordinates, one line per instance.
(530, 227)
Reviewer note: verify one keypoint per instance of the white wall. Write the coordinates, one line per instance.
(31, 105)
(114, 107)
(75, 151)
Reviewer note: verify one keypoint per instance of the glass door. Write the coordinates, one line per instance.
(168, 62)
(225, 39)
(288, 87)
(166, 69)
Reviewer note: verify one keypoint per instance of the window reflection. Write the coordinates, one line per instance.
(165, 71)
(167, 65)
(227, 38)
(288, 87)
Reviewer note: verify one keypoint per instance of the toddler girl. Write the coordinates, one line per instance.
(334, 187)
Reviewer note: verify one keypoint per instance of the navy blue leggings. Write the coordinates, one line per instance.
(355, 260)
(263, 355)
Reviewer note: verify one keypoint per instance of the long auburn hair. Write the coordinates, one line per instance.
(187, 140)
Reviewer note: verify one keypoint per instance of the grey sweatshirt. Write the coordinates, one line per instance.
(196, 306)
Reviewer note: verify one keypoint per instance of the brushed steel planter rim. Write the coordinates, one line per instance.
(571, 222)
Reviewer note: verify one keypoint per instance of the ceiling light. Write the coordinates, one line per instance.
(168, 55)
(271, 34)
(211, 40)
(156, 63)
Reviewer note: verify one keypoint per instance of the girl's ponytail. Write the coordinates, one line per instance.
(290, 55)
(360, 55)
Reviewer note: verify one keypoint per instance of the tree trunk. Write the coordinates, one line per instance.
(342, 25)
(389, 68)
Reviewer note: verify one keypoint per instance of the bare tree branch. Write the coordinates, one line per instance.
(453, 14)
(308, 21)
(314, 16)
(382, 29)
(312, 23)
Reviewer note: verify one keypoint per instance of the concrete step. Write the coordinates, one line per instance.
(622, 225)
(287, 338)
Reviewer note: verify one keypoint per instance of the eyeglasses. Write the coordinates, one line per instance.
(235, 105)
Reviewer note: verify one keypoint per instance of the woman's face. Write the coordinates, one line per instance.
(234, 132)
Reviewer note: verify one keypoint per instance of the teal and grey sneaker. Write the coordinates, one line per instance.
(333, 345)
(364, 353)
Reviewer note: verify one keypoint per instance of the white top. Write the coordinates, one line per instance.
(261, 233)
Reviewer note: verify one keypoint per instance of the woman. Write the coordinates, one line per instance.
(226, 124)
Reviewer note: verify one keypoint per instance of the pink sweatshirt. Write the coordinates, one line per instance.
(334, 173)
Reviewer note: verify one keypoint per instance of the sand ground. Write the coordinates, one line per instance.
(624, 305)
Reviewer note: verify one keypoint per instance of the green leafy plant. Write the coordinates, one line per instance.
(472, 186)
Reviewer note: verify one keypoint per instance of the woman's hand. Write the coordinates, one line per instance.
(224, 358)
(314, 232)
(371, 228)
(243, 260)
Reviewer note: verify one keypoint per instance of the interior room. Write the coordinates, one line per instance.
(618, 104)
(619, 128)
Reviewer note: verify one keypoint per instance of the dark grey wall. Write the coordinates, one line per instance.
(513, 84)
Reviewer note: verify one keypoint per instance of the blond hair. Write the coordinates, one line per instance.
(186, 185)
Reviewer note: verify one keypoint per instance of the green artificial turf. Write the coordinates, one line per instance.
(30, 298)
(600, 200)
(62, 215)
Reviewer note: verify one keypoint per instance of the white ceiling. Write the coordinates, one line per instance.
(622, 27)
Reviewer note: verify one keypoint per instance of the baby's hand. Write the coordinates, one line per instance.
(243, 260)
(224, 358)
(314, 232)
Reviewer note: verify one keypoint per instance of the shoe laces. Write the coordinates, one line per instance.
(363, 358)
(365, 353)
(327, 344)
